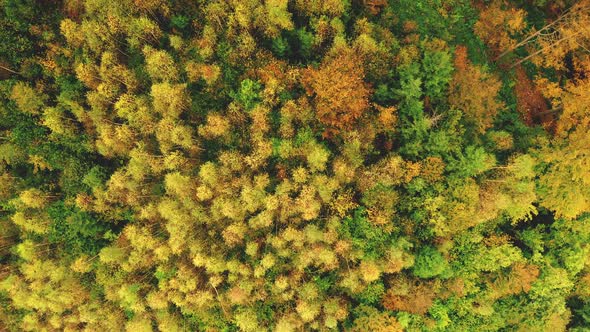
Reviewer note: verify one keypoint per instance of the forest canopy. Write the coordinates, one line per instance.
(294, 165)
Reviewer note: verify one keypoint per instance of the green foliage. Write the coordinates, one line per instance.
(95, 177)
(372, 294)
(179, 21)
(281, 47)
(15, 18)
(429, 263)
(73, 171)
(77, 232)
(365, 237)
(383, 94)
(297, 43)
(163, 274)
(580, 312)
(70, 88)
(249, 94)
(437, 67)
(472, 162)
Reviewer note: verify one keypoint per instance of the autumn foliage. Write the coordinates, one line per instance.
(531, 103)
(474, 91)
(499, 24)
(338, 90)
(303, 165)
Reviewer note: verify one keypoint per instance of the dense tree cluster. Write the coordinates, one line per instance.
(250, 165)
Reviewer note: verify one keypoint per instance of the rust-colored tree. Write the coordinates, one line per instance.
(340, 94)
(530, 101)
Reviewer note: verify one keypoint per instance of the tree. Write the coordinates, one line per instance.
(279, 17)
(413, 124)
(170, 100)
(406, 295)
(480, 105)
(26, 98)
(160, 65)
(338, 90)
(55, 119)
(498, 25)
(331, 8)
(437, 67)
(563, 185)
(141, 30)
(115, 140)
(429, 263)
(249, 94)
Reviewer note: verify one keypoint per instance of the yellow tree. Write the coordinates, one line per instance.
(497, 25)
(549, 45)
(170, 100)
(160, 65)
(565, 183)
(26, 98)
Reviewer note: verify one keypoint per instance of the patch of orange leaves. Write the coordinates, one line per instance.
(339, 91)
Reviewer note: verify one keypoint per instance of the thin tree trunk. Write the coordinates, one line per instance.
(543, 50)
(9, 70)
